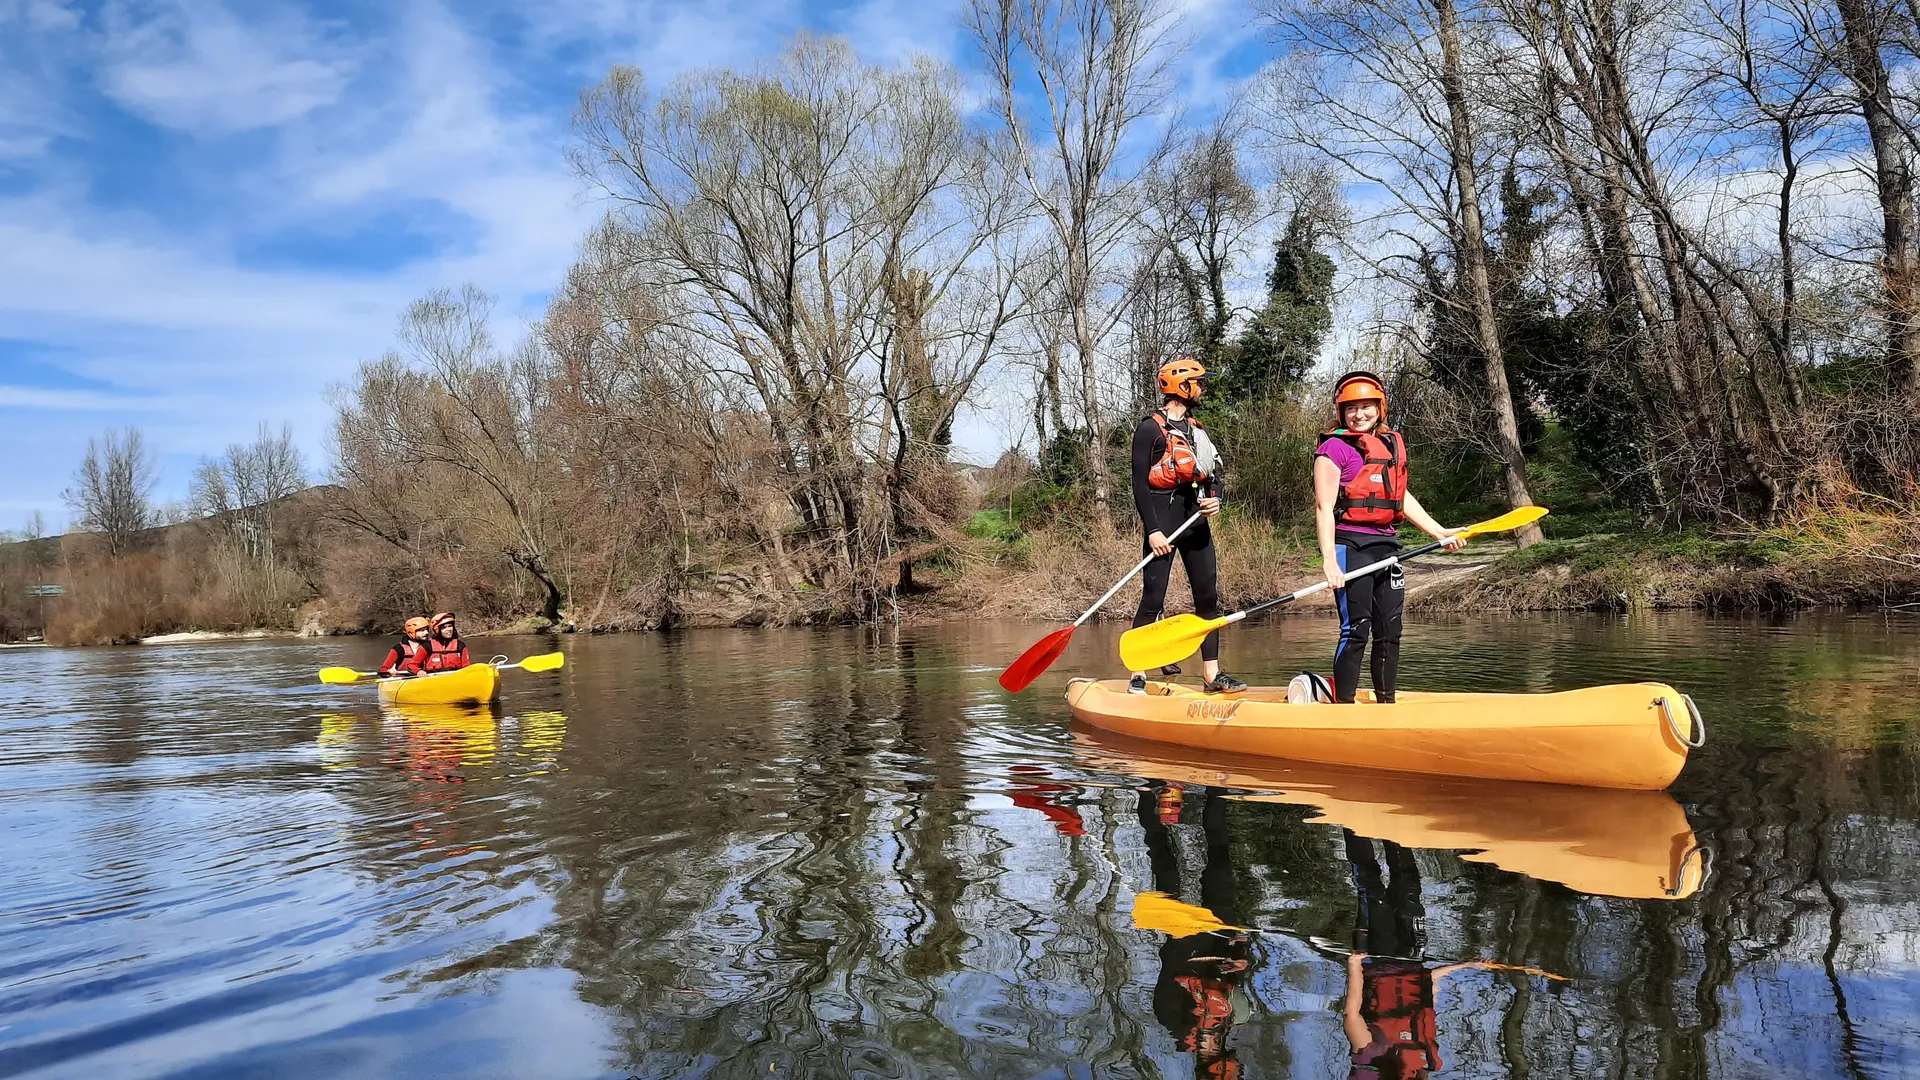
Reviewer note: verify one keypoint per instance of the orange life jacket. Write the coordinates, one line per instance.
(1398, 1003)
(444, 655)
(1179, 464)
(1378, 494)
(1212, 1009)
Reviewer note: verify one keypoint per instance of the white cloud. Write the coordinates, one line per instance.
(416, 104)
(192, 65)
(40, 15)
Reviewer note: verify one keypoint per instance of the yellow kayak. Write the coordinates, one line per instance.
(1633, 735)
(475, 684)
(1635, 844)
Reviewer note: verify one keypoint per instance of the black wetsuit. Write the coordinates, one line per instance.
(1162, 511)
(1370, 607)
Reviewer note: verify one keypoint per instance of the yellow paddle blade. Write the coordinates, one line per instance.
(1509, 521)
(1168, 641)
(543, 662)
(345, 676)
(1158, 911)
(1529, 971)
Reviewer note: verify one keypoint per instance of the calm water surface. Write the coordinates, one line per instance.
(848, 853)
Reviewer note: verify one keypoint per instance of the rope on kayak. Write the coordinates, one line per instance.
(1699, 726)
(1706, 869)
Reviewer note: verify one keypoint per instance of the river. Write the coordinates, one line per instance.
(847, 852)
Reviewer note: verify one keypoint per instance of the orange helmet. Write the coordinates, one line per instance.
(445, 618)
(1359, 386)
(1179, 375)
(417, 624)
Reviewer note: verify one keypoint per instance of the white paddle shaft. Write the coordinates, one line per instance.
(1318, 586)
(1137, 567)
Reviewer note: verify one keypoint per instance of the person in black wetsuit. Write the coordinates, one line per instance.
(1200, 993)
(1360, 499)
(1175, 475)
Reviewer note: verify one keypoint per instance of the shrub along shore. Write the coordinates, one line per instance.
(1053, 573)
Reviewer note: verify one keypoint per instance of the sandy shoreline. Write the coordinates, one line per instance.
(190, 636)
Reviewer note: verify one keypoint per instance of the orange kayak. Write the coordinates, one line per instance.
(1633, 735)
(1635, 844)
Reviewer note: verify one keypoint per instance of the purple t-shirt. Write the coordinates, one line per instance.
(1342, 454)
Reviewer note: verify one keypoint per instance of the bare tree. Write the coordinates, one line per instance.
(244, 489)
(837, 242)
(1867, 29)
(1102, 68)
(1382, 88)
(1199, 208)
(112, 492)
(447, 401)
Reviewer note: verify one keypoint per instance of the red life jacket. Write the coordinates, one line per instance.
(1178, 464)
(444, 655)
(1212, 1009)
(1398, 1003)
(1378, 494)
(406, 657)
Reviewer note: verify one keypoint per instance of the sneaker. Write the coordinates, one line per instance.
(1223, 683)
(1170, 671)
(1137, 684)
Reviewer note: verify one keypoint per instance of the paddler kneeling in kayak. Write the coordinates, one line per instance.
(445, 650)
(1175, 476)
(409, 652)
(1360, 497)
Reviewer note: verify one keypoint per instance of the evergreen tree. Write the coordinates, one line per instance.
(1280, 344)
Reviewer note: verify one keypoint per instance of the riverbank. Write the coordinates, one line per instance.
(1050, 574)
(1583, 565)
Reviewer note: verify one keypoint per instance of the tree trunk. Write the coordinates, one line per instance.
(1899, 263)
(1473, 267)
(1080, 286)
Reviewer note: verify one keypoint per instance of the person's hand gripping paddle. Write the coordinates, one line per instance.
(1021, 673)
(1172, 640)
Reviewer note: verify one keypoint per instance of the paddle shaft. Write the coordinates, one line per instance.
(1137, 567)
(1322, 586)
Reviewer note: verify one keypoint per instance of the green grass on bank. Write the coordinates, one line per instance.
(1604, 551)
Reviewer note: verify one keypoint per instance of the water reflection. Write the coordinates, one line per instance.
(1199, 993)
(835, 853)
(1388, 1009)
(1597, 840)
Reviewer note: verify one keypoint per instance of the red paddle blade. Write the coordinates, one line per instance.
(1021, 673)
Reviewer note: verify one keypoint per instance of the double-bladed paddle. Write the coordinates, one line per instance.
(345, 676)
(1021, 673)
(1172, 640)
(1177, 918)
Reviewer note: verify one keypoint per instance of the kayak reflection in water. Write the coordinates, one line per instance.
(1389, 1017)
(1199, 995)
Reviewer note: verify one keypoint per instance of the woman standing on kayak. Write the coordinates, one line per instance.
(1360, 497)
(1174, 477)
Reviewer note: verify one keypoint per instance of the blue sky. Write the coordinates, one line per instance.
(212, 210)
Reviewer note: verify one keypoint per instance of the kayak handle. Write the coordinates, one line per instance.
(1699, 726)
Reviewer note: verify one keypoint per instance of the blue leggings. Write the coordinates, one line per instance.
(1369, 608)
